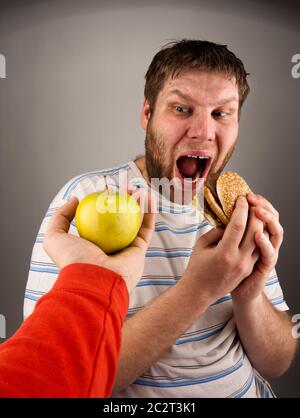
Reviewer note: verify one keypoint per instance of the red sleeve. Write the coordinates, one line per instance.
(69, 346)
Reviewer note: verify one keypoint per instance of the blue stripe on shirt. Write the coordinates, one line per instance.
(165, 209)
(200, 337)
(32, 297)
(221, 300)
(44, 270)
(169, 384)
(246, 387)
(171, 254)
(277, 301)
(143, 283)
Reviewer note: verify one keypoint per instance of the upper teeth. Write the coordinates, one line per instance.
(197, 156)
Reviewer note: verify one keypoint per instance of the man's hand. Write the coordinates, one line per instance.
(66, 249)
(222, 259)
(268, 244)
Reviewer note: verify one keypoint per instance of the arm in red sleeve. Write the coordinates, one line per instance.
(69, 346)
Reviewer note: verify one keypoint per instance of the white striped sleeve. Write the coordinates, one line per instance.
(274, 292)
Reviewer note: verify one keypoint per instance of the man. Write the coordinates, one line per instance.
(187, 335)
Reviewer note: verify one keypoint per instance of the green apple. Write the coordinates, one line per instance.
(110, 220)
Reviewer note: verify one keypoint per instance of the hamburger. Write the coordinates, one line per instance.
(220, 197)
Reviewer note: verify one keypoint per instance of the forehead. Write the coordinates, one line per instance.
(200, 85)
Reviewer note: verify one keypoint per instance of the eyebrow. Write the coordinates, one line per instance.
(190, 98)
(180, 94)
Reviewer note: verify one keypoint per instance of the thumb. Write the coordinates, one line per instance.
(148, 222)
(211, 237)
(61, 219)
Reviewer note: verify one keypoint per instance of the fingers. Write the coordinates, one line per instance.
(257, 200)
(254, 225)
(148, 221)
(273, 226)
(255, 254)
(143, 199)
(235, 229)
(61, 219)
(270, 216)
(268, 254)
(211, 237)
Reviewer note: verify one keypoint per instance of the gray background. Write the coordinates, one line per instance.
(71, 102)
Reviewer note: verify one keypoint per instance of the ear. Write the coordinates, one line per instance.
(145, 114)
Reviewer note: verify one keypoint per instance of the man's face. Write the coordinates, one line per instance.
(194, 127)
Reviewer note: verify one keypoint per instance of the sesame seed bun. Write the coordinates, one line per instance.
(219, 204)
(229, 186)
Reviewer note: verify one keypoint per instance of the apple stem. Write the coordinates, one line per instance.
(106, 186)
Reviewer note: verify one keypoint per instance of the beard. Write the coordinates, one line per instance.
(156, 155)
(157, 166)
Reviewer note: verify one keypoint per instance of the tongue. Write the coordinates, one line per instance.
(188, 166)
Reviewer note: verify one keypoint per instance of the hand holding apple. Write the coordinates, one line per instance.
(66, 249)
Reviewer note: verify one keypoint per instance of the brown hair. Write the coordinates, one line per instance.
(177, 56)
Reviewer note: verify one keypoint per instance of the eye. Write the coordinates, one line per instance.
(219, 114)
(181, 109)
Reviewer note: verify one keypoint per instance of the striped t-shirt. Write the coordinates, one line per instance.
(208, 359)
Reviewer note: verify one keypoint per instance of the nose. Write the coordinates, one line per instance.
(201, 127)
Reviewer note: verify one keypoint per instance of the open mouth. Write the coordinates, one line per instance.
(193, 166)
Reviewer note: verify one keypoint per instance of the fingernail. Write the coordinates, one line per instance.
(252, 196)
